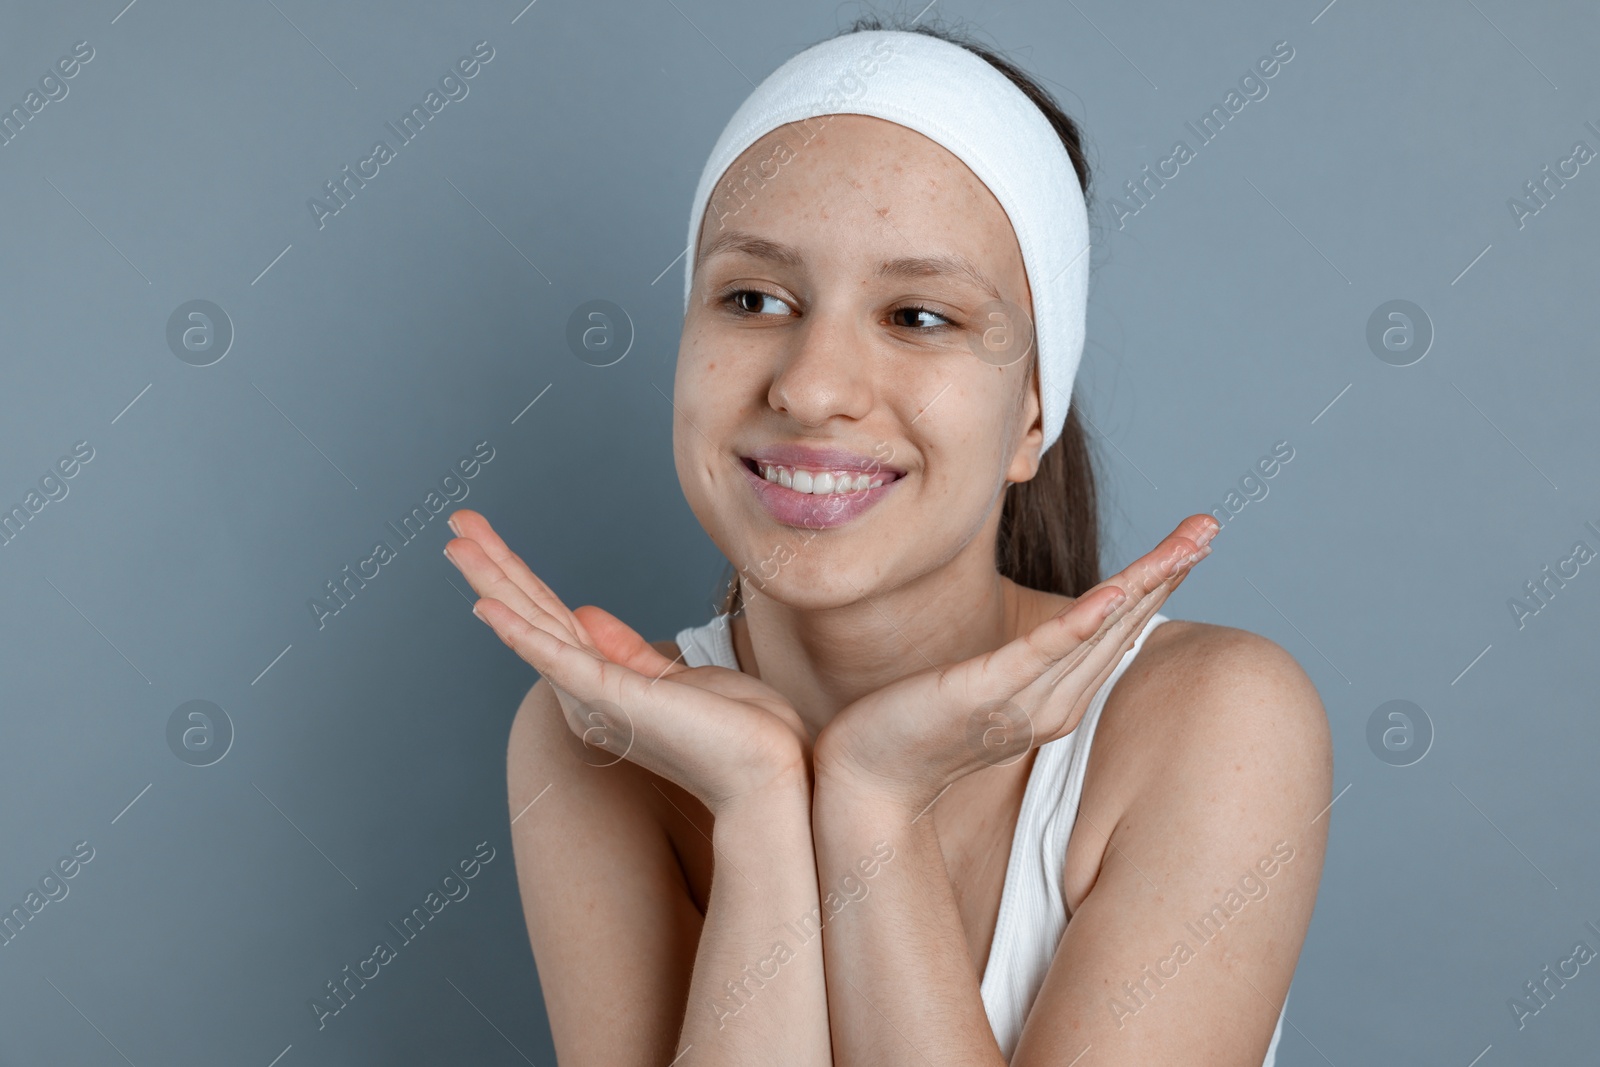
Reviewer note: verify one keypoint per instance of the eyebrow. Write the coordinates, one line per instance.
(739, 241)
(944, 265)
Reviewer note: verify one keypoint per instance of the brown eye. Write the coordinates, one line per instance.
(921, 327)
(755, 302)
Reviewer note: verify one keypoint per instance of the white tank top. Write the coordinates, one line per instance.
(1033, 910)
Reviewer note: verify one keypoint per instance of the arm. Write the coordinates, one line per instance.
(1239, 765)
(1238, 768)
(611, 922)
(758, 994)
(901, 983)
(631, 972)
(902, 987)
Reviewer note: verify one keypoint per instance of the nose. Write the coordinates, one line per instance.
(827, 373)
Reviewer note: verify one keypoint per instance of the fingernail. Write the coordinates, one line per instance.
(1205, 538)
(453, 527)
(479, 614)
(1115, 603)
(447, 554)
(1169, 568)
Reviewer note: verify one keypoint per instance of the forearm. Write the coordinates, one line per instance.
(901, 985)
(758, 994)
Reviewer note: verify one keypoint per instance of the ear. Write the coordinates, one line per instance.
(1030, 447)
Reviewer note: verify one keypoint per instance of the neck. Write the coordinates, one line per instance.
(824, 659)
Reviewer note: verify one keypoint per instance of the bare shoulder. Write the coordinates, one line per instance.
(1201, 817)
(1198, 693)
(1210, 731)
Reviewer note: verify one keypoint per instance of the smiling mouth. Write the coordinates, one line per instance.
(820, 482)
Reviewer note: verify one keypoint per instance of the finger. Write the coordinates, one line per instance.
(1121, 626)
(473, 527)
(1035, 662)
(588, 676)
(1017, 664)
(1058, 697)
(1168, 559)
(658, 720)
(495, 571)
(1069, 694)
(1138, 590)
(488, 580)
(621, 643)
(1096, 624)
(1099, 653)
(568, 667)
(1066, 638)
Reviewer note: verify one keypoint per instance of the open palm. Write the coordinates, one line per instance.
(914, 737)
(718, 733)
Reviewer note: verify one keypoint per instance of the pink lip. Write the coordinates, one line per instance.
(808, 510)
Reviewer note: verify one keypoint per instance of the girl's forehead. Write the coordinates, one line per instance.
(893, 191)
(848, 142)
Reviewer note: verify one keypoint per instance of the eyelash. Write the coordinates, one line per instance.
(729, 300)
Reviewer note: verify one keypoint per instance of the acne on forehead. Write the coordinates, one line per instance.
(886, 144)
(876, 178)
(888, 148)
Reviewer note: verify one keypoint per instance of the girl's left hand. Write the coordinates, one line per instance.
(909, 740)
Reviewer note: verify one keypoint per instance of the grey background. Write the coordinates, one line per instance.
(1228, 314)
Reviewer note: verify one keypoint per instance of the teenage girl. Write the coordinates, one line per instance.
(857, 818)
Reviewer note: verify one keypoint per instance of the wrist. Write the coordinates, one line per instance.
(845, 783)
(865, 798)
(785, 793)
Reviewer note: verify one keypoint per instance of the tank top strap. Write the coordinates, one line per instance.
(1033, 911)
(710, 645)
(1062, 802)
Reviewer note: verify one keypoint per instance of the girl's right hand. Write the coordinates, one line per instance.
(718, 733)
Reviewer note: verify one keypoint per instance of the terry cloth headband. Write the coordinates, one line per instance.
(957, 99)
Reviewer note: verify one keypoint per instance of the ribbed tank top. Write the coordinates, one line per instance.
(1033, 909)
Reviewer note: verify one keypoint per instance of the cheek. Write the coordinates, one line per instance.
(713, 392)
(705, 477)
(968, 436)
(716, 393)
(963, 470)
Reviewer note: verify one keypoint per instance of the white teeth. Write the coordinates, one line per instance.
(820, 483)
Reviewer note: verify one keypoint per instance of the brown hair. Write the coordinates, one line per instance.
(1049, 535)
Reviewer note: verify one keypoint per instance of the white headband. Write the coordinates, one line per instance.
(958, 100)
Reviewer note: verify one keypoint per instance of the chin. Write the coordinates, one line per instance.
(805, 569)
(803, 592)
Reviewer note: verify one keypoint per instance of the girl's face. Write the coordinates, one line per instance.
(845, 332)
